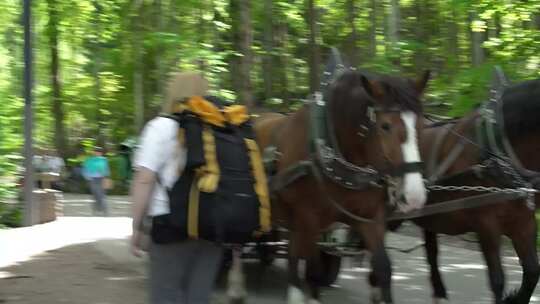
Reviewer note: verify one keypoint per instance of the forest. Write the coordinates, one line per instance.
(101, 65)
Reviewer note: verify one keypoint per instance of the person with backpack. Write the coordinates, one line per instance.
(181, 271)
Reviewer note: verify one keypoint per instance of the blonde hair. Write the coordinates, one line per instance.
(181, 86)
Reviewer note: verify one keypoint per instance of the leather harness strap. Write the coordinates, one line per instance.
(447, 162)
(435, 150)
(457, 204)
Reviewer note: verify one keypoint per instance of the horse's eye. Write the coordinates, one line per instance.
(386, 126)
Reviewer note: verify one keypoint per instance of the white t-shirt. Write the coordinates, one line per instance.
(161, 152)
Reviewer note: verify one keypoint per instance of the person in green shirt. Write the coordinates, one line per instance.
(95, 169)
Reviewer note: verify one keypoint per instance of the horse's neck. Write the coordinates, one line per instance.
(352, 146)
(438, 142)
(292, 137)
(527, 149)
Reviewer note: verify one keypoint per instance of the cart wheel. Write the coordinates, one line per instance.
(331, 264)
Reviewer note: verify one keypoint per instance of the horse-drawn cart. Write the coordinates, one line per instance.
(335, 245)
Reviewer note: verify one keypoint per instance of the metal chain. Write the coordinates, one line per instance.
(481, 189)
(523, 187)
(510, 170)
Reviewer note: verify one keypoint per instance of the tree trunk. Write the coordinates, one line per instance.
(159, 52)
(373, 29)
(96, 52)
(243, 37)
(420, 33)
(268, 45)
(353, 52)
(314, 53)
(393, 24)
(58, 107)
(453, 41)
(138, 84)
(282, 40)
(477, 38)
(138, 91)
(201, 37)
(97, 87)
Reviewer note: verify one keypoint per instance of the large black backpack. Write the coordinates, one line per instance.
(221, 194)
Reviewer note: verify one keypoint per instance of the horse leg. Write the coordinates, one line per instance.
(381, 275)
(236, 290)
(313, 268)
(524, 241)
(490, 243)
(313, 277)
(297, 248)
(295, 294)
(432, 254)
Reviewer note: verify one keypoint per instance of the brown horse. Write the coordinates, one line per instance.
(516, 111)
(374, 124)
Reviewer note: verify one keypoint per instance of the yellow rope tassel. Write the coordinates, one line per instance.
(236, 114)
(261, 186)
(206, 110)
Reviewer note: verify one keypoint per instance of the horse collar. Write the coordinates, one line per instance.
(490, 130)
(327, 156)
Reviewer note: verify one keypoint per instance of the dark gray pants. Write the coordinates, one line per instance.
(96, 186)
(183, 273)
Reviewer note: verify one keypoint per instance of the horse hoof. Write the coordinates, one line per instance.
(295, 296)
(237, 300)
(513, 297)
(440, 301)
(376, 295)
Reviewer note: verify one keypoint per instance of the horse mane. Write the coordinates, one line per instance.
(349, 100)
(402, 91)
(521, 108)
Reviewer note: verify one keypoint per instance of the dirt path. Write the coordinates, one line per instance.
(74, 274)
(76, 259)
(82, 259)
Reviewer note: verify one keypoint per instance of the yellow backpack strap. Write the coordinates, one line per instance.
(209, 173)
(193, 210)
(261, 186)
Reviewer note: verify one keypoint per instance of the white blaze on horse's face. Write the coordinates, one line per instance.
(413, 183)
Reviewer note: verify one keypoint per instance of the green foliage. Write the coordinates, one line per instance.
(10, 211)
(100, 43)
(10, 215)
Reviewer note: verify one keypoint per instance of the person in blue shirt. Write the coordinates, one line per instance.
(95, 170)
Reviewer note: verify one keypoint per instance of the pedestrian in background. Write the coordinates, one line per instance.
(96, 171)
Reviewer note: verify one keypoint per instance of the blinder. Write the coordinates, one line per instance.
(371, 114)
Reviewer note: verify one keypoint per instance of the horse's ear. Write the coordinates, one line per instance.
(367, 85)
(421, 83)
(372, 88)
